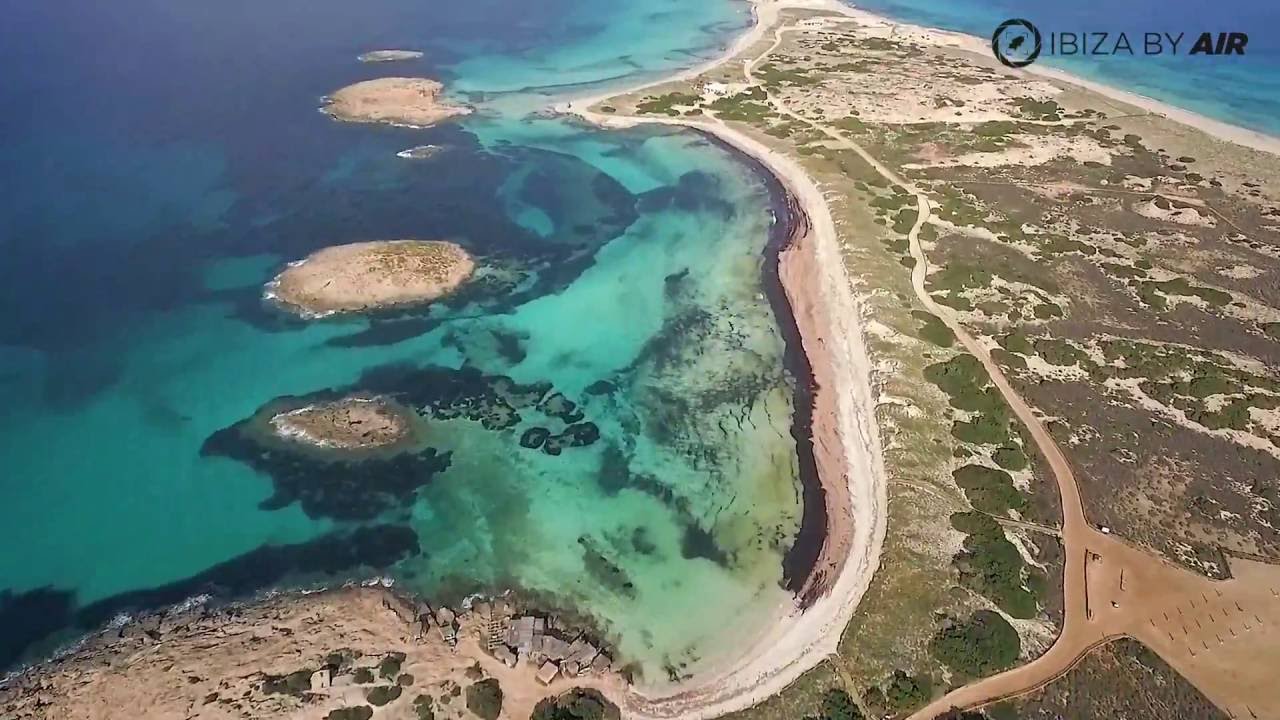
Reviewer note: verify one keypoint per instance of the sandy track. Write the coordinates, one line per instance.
(798, 640)
(1229, 674)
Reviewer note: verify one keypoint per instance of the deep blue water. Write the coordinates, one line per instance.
(1242, 90)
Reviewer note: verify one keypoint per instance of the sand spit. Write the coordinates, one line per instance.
(353, 423)
(381, 56)
(409, 102)
(370, 276)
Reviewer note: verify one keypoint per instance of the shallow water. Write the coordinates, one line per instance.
(148, 198)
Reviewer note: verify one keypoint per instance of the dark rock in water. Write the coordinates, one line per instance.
(581, 435)
(534, 437)
(601, 387)
(385, 332)
(641, 543)
(674, 283)
(510, 346)
(358, 489)
(559, 406)
(27, 617)
(31, 621)
(699, 543)
(606, 572)
(553, 445)
(352, 485)
(333, 554)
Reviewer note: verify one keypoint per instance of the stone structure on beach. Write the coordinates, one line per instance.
(414, 102)
(368, 276)
(552, 647)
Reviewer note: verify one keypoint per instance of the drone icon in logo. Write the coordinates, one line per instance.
(1016, 43)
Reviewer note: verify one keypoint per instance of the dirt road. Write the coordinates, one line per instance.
(1133, 593)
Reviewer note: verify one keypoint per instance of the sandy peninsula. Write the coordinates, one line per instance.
(370, 276)
(352, 423)
(381, 56)
(410, 102)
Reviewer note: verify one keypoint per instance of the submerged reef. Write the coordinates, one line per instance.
(35, 621)
(347, 472)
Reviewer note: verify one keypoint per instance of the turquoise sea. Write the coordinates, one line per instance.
(161, 160)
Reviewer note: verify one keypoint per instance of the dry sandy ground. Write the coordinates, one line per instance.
(979, 46)
(413, 102)
(370, 275)
(210, 665)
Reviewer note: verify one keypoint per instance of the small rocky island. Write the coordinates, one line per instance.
(352, 423)
(381, 56)
(420, 152)
(371, 275)
(414, 102)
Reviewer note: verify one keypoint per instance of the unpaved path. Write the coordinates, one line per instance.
(1130, 585)
(1111, 589)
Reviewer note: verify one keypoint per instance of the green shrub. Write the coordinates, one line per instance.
(390, 665)
(983, 644)
(988, 489)
(295, 683)
(933, 329)
(576, 704)
(423, 707)
(991, 565)
(907, 692)
(838, 705)
(485, 699)
(383, 694)
(359, 712)
(1010, 458)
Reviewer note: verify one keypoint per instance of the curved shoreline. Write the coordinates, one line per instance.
(791, 224)
(845, 439)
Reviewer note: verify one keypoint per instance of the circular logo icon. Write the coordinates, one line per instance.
(1016, 43)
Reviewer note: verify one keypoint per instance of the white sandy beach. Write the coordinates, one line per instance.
(847, 442)
(980, 46)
